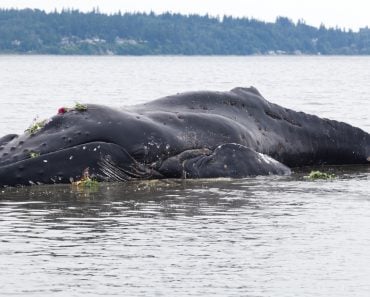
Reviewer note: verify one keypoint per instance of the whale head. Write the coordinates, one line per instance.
(60, 149)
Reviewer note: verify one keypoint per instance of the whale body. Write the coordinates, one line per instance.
(202, 134)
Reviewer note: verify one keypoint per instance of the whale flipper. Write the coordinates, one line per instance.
(227, 160)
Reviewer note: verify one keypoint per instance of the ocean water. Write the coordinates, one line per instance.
(265, 236)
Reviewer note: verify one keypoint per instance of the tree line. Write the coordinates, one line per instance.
(32, 31)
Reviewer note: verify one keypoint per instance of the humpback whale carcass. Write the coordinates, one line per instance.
(189, 135)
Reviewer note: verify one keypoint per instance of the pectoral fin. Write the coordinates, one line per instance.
(227, 160)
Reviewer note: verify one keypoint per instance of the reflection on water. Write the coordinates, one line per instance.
(268, 236)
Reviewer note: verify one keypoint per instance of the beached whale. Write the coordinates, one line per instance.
(189, 135)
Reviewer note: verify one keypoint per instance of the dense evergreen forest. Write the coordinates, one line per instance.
(72, 32)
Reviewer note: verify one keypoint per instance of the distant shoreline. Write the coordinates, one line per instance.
(71, 32)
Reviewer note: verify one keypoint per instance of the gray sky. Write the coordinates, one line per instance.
(343, 13)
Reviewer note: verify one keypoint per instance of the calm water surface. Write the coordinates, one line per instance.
(267, 236)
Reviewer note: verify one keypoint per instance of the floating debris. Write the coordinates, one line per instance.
(36, 126)
(63, 110)
(80, 107)
(86, 181)
(34, 155)
(320, 175)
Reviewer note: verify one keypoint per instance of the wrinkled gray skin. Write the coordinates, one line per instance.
(189, 135)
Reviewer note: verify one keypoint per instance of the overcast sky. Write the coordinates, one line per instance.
(352, 14)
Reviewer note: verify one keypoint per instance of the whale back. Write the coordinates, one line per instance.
(243, 116)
